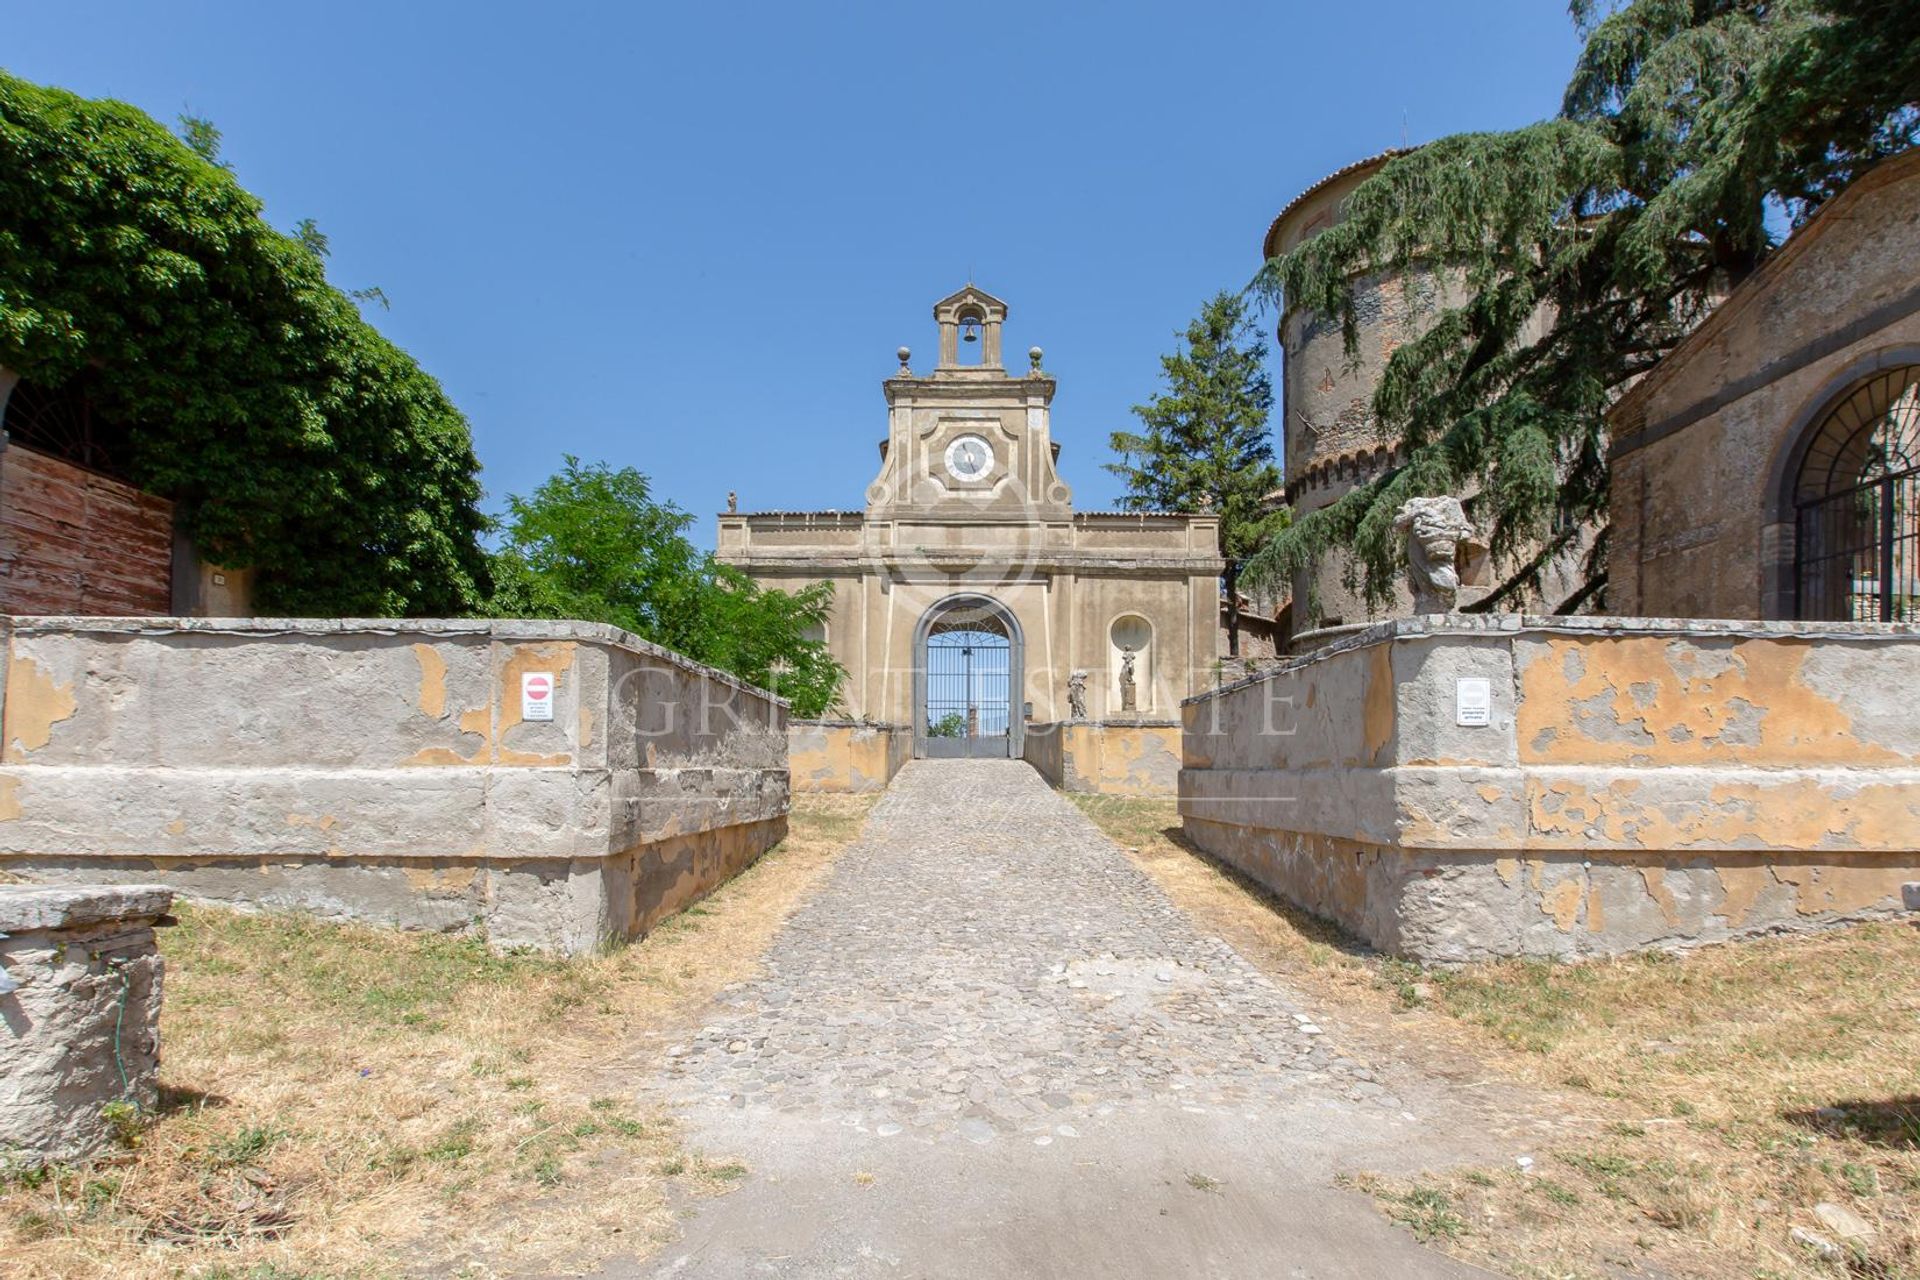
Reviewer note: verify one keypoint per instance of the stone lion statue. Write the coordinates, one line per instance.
(1434, 528)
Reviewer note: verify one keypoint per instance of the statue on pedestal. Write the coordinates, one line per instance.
(1129, 697)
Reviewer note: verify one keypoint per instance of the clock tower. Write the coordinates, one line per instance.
(975, 611)
(969, 441)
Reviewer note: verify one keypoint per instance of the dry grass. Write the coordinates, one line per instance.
(1749, 1083)
(345, 1102)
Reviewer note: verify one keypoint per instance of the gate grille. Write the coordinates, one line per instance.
(969, 700)
(1858, 553)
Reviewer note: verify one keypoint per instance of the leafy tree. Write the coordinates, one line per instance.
(1573, 254)
(202, 137)
(593, 543)
(1205, 446)
(137, 275)
(950, 725)
(308, 233)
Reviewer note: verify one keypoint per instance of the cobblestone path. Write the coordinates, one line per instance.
(986, 963)
(989, 1046)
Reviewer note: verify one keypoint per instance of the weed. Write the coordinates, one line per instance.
(124, 1122)
(247, 1145)
(1555, 1192)
(1428, 1212)
(455, 1144)
(1862, 1180)
(1201, 1182)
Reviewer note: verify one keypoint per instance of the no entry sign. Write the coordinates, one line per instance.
(536, 695)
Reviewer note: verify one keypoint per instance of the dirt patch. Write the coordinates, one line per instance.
(346, 1101)
(1751, 1109)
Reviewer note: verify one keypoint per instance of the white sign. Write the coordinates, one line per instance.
(536, 695)
(1473, 701)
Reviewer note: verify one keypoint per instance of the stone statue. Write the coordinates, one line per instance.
(1077, 696)
(1435, 529)
(1129, 697)
(733, 501)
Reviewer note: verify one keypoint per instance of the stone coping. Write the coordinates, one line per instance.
(1493, 624)
(827, 723)
(514, 629)
(34, 907)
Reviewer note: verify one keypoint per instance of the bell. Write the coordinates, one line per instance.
(971, 332)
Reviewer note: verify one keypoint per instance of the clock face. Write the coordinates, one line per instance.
(969, 458)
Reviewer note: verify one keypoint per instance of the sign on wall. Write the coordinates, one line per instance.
(536, 695)
(1473, 701)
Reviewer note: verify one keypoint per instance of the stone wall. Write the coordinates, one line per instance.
(383, 770)
(79, 1015)
(1110, 757)
(855, 756)
(1636, 782)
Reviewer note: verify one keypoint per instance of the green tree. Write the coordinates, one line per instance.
(137, 275)
(593, 543)
(1205, 444)
(1576, 252)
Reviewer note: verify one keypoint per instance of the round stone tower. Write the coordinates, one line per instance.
(1332, 443)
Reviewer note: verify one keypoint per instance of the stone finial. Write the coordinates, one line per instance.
(1033, 358)
(1435, 529)
(733, 501)
(906, 356)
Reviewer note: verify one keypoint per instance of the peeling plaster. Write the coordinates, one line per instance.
(35, 703)
(1714, 705)
(433, 681)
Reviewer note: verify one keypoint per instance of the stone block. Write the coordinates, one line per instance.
(80, 981)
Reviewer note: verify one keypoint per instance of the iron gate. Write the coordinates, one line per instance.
(969, 695)
(1858, 553)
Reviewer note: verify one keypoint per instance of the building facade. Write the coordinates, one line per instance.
(973, 606)
(1770, 466)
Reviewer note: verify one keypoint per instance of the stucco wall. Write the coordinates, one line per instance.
(1640, 782)
(1113, 757)
(854, 756)
(1705, 447)
(382, 770)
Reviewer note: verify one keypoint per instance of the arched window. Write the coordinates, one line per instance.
(1857, 506)
(63, 422)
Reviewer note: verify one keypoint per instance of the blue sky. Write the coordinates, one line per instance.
(689, 238)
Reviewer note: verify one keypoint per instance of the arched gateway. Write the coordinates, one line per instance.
(968, 672)
(976, 611)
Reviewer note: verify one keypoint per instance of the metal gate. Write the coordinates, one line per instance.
(968, 710)
(1858, 553)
